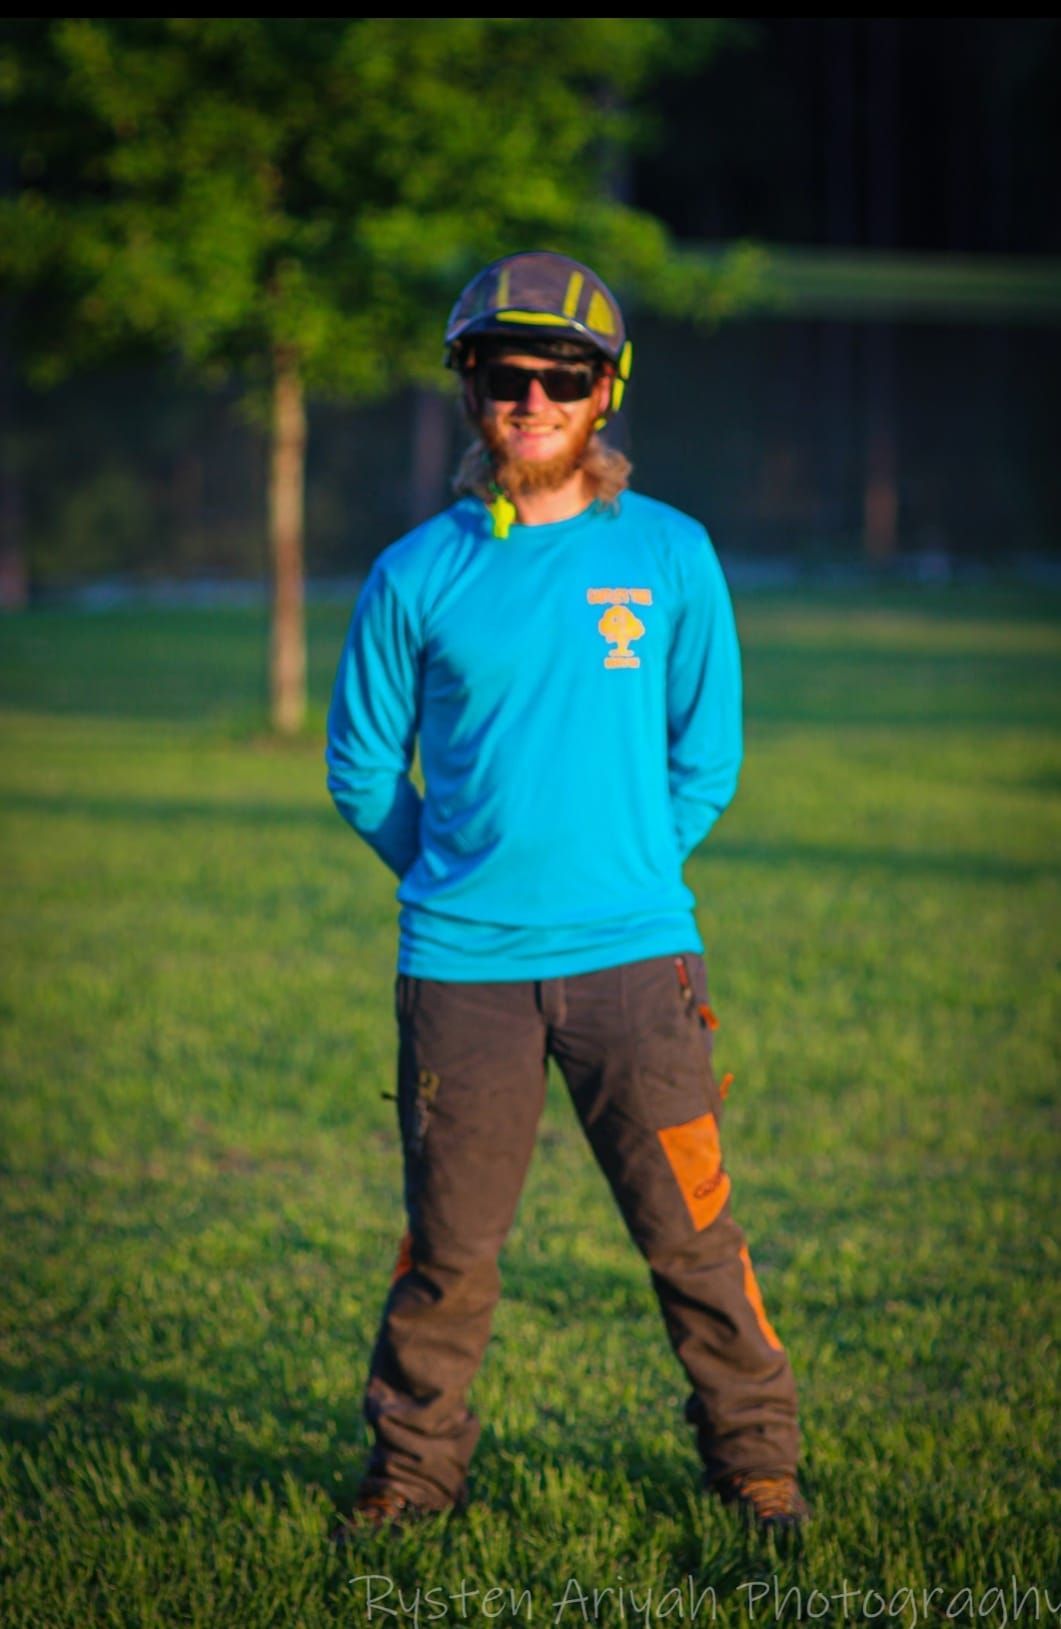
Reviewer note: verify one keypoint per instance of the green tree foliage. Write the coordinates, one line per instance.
(224, 185)
(295, 200)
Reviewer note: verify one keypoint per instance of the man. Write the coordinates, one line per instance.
(564, 651)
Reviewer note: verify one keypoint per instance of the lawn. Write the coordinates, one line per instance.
(200, 1168)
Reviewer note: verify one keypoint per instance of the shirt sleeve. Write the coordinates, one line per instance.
(372, 725)
(704, 730)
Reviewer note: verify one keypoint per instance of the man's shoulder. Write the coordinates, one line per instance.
(679, 543)
(452, 525)
(406, 564)
(662, 518)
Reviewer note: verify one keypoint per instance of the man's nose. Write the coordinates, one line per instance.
(534, 396)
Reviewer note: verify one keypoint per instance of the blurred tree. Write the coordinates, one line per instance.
(293, 201)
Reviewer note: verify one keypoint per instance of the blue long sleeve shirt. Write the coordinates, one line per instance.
(575, 692)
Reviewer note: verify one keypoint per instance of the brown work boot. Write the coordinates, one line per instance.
(773, 1503)
(378, 1509)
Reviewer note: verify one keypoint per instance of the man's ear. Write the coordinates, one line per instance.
(602, 394)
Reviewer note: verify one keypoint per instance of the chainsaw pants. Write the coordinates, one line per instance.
(633, 1043)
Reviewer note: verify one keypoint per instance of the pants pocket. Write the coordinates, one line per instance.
(672, 1023)
(694, 1154)
(676, 1081)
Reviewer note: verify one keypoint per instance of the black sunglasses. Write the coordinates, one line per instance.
(507, 382)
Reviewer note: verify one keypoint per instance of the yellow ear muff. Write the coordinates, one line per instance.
(624, 365)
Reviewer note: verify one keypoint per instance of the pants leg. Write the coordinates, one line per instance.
(471, 1086)
(635, 1049)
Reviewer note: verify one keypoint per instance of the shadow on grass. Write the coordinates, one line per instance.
(896, 862)
(554, 1287)
(207, 1410)
(197, 1430)
(124, 808)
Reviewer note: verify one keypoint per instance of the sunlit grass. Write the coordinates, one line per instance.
(201, 1180)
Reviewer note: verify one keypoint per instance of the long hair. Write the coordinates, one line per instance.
(607, 468)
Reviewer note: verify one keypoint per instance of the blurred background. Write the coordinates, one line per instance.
(228, 247)
(877, 390)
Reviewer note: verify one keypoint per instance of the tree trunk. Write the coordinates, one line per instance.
(286, 507)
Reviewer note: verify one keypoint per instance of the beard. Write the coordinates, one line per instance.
(522, 476)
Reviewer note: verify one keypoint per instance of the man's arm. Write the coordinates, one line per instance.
(372, 725)
(703, 701)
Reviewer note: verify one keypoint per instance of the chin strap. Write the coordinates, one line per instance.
(502, 511)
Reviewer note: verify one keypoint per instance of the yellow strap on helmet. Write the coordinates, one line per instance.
(547, 318)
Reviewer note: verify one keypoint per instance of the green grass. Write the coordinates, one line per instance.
(200, 1177)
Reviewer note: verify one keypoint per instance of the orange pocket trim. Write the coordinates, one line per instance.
(708, 1016)
(694, 1154)
(755, 1296)
(404, 1263)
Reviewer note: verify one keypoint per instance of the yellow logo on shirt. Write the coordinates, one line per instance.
(619, 626)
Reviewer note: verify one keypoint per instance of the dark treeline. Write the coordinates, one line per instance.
(751, 429)
(934, 136)
(934, 133)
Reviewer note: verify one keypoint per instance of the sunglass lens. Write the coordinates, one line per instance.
(507, 382)
(567, 384)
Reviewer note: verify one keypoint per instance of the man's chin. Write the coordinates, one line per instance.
(525, 475)
(520, 476)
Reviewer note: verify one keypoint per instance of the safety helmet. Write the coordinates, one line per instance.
(536, 297)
